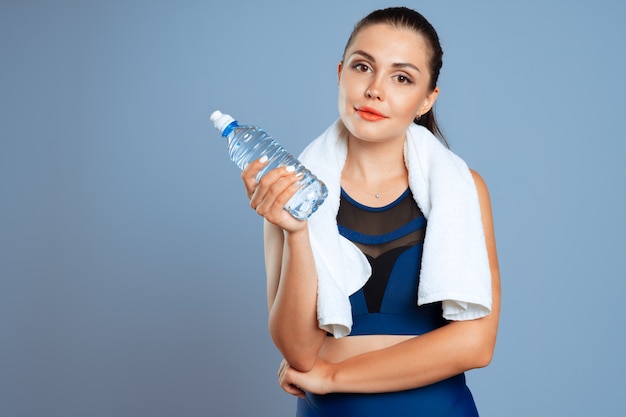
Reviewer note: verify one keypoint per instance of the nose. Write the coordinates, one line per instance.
(375, 90)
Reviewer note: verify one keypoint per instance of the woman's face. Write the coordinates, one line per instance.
(384, 83)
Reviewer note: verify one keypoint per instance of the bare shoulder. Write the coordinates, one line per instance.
(478, 179)
(481, 187)
(483, 198)
(487, 217)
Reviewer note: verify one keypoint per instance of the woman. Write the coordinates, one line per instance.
(400, 358)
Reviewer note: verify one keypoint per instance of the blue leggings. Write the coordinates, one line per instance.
(448, 398)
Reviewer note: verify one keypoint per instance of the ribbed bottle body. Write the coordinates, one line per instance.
(249, 143)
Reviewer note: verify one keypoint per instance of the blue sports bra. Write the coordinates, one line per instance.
(391, 237)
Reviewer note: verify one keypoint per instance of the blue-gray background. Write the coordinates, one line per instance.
(131, 269)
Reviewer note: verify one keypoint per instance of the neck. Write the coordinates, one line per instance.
(374, 171)
(374, 162)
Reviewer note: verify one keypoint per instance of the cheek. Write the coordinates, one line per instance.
(350, 85)
(409, 103)
(343, 96)
(341, 102)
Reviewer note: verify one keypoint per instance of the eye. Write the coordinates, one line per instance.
(361, 67)
(403, 79)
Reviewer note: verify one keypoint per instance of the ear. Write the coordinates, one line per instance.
(339, 67)
(429, 101)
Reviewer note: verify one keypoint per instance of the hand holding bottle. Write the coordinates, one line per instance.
(248, 143)
(269, 195)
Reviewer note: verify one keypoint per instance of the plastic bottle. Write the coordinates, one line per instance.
(249, 143)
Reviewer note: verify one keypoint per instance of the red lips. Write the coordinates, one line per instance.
(370, 114)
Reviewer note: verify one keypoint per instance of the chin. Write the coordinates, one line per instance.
(364, 130)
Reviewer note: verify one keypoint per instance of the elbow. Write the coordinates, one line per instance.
(481, 352)
(485, 354)
(479, 358)
(303, 364)
(480, 341)
(483, 358)
(299, 354)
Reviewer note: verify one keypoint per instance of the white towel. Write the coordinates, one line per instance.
(455, 267)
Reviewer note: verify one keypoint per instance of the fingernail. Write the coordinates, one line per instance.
(290, 168)
(299, 174)
(263, 159)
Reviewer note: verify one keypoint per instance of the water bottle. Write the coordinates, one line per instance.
(249, 143)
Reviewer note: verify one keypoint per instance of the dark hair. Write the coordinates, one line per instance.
(403, 17)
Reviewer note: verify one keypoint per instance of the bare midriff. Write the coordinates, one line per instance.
(336, 350)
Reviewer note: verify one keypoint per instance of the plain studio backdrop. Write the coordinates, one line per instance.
(131, 267)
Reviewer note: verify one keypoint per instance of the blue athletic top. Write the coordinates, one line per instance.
(391, 237)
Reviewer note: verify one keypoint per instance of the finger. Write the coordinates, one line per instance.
(282, 367)
(293, 390)
(250, 172)
(276, 197)
(260, 188)
(276, 174)
(287, 384)
(274, 192)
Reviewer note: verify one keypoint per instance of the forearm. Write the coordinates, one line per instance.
(423, 360)
(442, 353)
(293, 312)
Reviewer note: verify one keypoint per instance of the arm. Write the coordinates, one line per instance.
(291, 272)
(292, 296)
(423, 360)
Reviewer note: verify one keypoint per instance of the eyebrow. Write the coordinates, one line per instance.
(395, 65)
